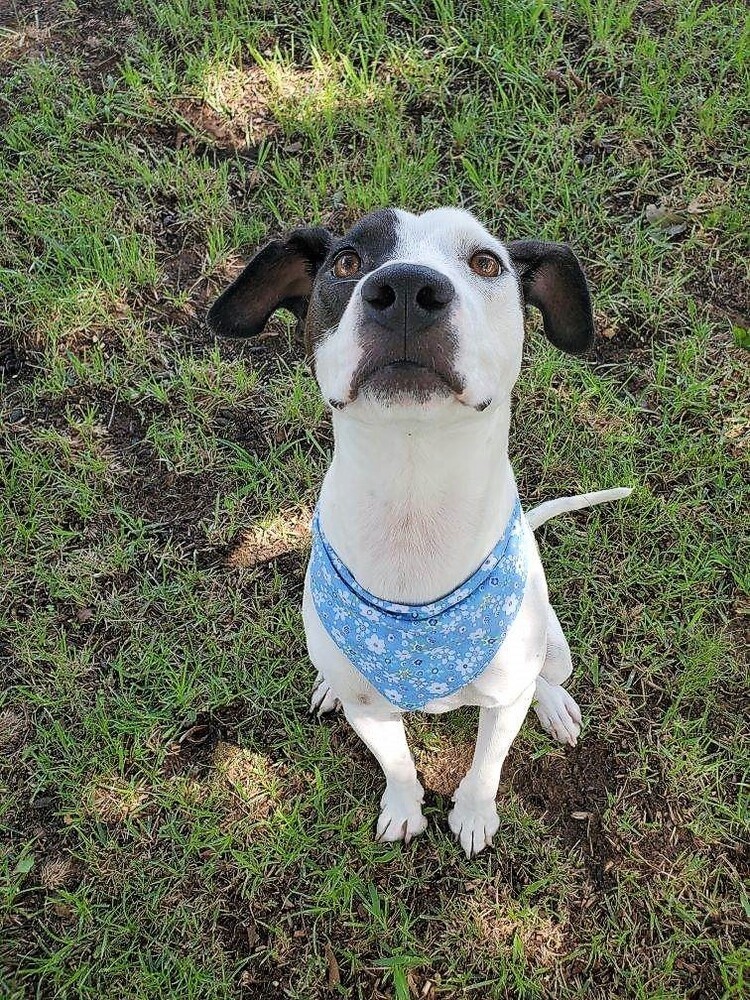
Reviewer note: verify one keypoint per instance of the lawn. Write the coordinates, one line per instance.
(175, 824)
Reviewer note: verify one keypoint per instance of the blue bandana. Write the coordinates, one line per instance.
(414, 653)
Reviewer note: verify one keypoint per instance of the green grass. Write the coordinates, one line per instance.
(175, 823)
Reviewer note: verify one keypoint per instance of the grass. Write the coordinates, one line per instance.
(175, 823)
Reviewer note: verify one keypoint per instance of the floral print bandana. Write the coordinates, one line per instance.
(413, 653)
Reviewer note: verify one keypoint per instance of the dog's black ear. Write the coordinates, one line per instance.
(280, 276)
(554, 282)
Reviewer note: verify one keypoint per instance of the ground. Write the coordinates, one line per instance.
(175, 824)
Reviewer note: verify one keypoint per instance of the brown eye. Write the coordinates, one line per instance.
(346, 264)
(485, 264)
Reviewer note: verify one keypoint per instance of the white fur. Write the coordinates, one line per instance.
(416, 496)
(540, 514)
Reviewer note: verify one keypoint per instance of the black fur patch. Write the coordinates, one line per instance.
(374, 240)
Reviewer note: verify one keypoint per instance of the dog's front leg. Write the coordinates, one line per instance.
(474, 818)
(401, 805)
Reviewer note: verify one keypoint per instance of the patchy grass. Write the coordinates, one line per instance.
(175, 823)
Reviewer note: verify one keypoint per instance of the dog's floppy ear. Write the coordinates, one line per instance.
(280, 276)
(554, 282)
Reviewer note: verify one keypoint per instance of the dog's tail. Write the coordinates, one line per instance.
(551, 508)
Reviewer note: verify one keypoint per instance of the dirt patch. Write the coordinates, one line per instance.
(13, 368)
(441, 770)
(14, 725)
(248, 930)
(270, 539)
(726, 289)
(580, 794)
(241, 938)
(87, 36)
(192, 748)
(236, 117)
(177, 502)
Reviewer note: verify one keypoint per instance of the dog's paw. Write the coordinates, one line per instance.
(474, 823)
(557, 712)
(401, 814)
(323, 700)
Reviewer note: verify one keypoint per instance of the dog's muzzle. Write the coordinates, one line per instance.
(406, 334)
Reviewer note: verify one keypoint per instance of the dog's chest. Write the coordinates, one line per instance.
(410, 551)
(411, 515)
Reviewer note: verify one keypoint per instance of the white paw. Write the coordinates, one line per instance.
(401, 814)
(557, 712)
(474, 822)
(323, 699)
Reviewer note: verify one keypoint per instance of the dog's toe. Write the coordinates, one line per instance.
(323, 700)
(400, 815)
(557, 712)
(474, 824)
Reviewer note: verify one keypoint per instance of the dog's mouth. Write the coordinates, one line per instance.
(405, 377)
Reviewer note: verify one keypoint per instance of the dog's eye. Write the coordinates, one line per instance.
(347, 264)
(485, 264)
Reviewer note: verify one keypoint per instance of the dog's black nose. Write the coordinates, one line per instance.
(405, 298)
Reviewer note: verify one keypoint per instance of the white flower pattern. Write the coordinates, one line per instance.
(374, 644)
(510, 604)
(413, 653)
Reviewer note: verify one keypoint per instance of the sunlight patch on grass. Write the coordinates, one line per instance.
(329, 86)
(232, 107)
(442, 767)
(500, 925)
(113, 799)
(271, 537)
(257, 784)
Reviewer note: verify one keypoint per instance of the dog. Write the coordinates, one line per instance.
(425, 589)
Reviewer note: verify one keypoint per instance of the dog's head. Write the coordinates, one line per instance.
(411, 311)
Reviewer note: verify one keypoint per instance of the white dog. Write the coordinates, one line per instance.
(425, 589)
